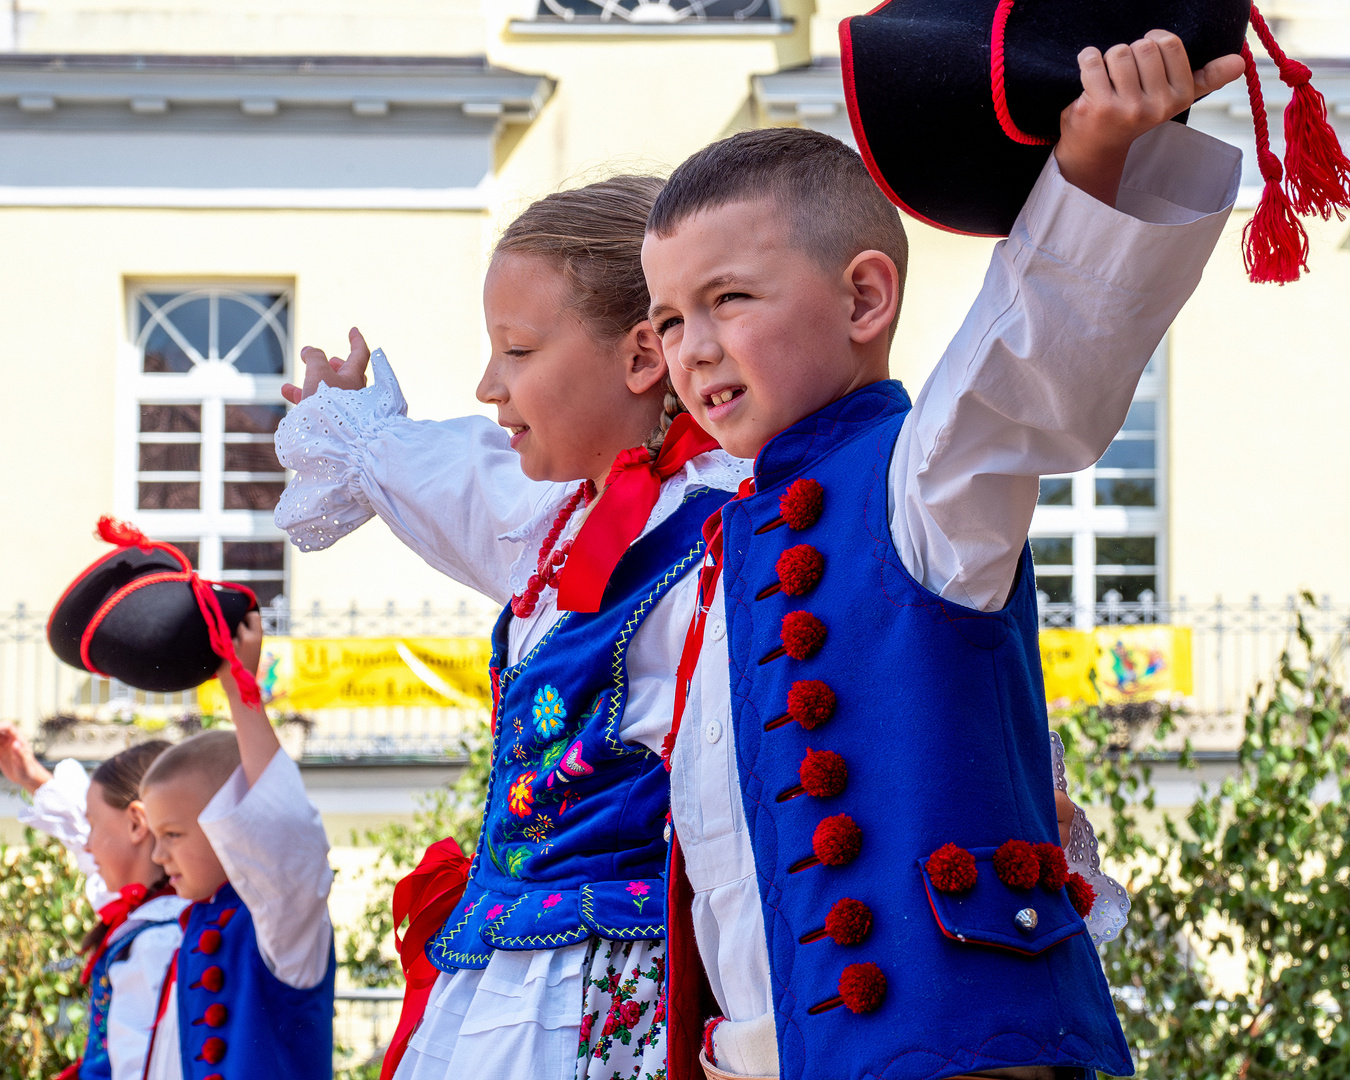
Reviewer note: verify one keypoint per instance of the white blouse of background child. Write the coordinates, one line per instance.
(58, 810)
(271, 842)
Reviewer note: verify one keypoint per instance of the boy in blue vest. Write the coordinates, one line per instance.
(864, 846)
(251, 994)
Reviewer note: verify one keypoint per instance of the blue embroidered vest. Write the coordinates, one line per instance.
(572, 842)
(235, 1018)
(96, 1065)
(941, 723)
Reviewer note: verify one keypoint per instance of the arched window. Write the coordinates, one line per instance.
(205, 403)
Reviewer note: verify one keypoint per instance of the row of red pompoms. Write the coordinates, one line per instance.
(1019, 865)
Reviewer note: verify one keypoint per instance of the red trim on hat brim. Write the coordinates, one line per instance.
(860, 135)
(80, 577)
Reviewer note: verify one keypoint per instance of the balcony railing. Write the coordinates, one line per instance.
(1233, 647)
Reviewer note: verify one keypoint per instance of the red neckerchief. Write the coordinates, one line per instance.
(693, 639)
(631, 491)
(114, 913)
(426, 897)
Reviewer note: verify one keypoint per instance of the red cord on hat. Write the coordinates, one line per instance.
(222, 643)
(1316, 167)
(1274, 243)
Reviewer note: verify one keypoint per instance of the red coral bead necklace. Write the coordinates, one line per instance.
(550, 559)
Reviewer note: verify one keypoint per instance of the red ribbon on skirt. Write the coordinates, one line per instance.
(426, 897)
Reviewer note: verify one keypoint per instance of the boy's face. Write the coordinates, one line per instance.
(181, 847)
(757, 335)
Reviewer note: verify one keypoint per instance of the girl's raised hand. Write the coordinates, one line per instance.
(17, 761)
(322, 369)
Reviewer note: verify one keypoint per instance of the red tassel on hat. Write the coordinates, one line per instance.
(122, 533)
(1316, 166)
(1274, 244)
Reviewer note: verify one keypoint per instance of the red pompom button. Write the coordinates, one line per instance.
(1054, 868)
(799, 569)
(223, 919)
(208, 942)
(837, 840)
(213, 1076)
(811, 703)
(1081, 895)
(802, 503)
(1017, 865)
(849, 921)
(862, 987)
(823, 773)
(212, 1050)
(952, 869)
(216, 1014)
(803, 634)
(212, 979)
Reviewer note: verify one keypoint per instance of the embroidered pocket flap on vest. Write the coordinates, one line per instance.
(991, 913)
(539, 919)
(625, 910)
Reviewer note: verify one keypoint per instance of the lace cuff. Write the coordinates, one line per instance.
(322, 439)
(1112, 907)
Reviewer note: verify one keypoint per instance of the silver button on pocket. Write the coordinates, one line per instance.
(713, 731)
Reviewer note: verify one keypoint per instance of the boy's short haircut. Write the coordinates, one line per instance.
(212, 755)
(833, 208)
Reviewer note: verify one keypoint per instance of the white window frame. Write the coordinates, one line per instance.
(214, 385)
(1085, 521)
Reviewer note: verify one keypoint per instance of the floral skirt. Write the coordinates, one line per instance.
(623, 1020)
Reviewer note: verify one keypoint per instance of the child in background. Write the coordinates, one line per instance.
(252, 991)
(101, 821)
(861, 807)
(552, 966)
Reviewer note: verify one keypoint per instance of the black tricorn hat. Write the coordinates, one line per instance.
(955, 106)
(142, 615)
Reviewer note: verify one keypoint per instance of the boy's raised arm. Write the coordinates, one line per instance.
(1039, 377)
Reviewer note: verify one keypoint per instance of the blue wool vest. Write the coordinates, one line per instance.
(95, 1064)
(572, 842)
(941, 722)
(235, 1018)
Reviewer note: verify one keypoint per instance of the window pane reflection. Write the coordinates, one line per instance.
(169, 496)
(251, 457)
(1058, 588)
(254, 555)
(253, 419)
(1125, 493)
(176, 418)
(1128, 454)
(1052, 550)
(1130, 586)
(1126, 550)
(252, 495)
(1056, 491)
(171, 457)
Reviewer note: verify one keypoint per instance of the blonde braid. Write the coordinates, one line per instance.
(671, 408)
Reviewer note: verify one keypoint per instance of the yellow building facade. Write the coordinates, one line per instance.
(190, 190)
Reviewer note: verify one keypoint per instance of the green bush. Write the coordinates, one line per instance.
(367, 950)
(43, 916)
(1257, 870)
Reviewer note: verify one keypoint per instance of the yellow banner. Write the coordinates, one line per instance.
(1130, 663)
(299, 674)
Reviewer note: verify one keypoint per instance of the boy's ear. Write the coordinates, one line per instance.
(644, 359)
(874, 283)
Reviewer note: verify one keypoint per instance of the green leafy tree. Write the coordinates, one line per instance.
(43, 916)
(1257, 870)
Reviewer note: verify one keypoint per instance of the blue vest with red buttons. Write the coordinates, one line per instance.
(236, 1020)
(572, 843)
(939, 717)
(95, 1064)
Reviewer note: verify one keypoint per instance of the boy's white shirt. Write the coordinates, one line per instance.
(1028, 387)
(58, 811)
(271, 842)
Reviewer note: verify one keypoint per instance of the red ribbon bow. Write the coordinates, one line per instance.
(426, 897)
(633, 486)
(114, 913)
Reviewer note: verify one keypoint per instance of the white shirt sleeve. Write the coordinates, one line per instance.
(1040, 376)
(58, 811)
(136, 983)
(451, 490)
(270, 840)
